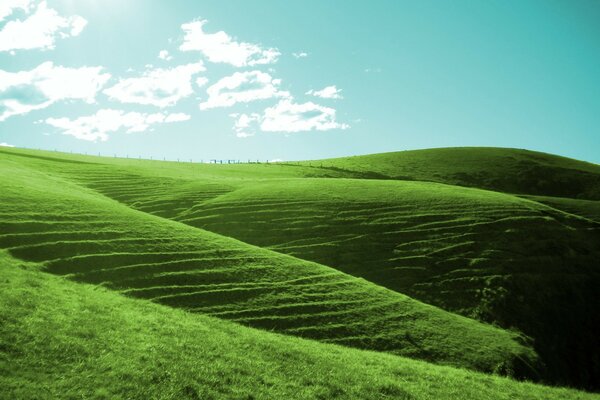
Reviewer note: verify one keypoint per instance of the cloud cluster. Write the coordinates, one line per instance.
(219, 47)
(330, 92)
(97, 126)
(158, 87)
(25, 91)
(242, 87)
(39, 30)
(287, 116)
(243, 125)
(7, 7)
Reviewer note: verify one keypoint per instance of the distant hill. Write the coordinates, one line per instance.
(500, 169)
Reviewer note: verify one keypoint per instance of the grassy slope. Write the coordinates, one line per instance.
(487, 255)
(507, 170)
(589, 209)
(76, 232)
(525, 266)
(63, 340)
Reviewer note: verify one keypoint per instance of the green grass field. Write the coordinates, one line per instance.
(428, 254)
(68, 340)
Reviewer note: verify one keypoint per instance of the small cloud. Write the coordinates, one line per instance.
(243, 87)
(97, 126)
(4, 144)
(158, 87)
(276, 160)
(201, 81)
(164, 55)
(243, 124)
(300, 54)
(219, 47)
(39, 30)
(177, 117)
(25, 91)
(330, 92)
(373, 70)
(287, 116)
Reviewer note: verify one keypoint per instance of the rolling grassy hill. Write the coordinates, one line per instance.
(60, 339)
(81, 234)
(529, 264)
(499, 169)
(483, 254)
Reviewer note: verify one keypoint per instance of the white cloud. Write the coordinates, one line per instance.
(164, 55)
(330, 92)
(219, 47)
(25, 91)
(201, 81)
(39, 30)
(4, 144)
(287, 116)
(242, 87)
(243, 124)
(158, 87)
(177, 117)
(300, 54)
(7, 7)
(97, 126)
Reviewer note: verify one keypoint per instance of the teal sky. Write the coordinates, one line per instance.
(407, 74)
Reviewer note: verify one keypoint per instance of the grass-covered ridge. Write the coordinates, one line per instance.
(484, 254)
(527, 262)
(501, 169)
(64, 340)
(79, 233)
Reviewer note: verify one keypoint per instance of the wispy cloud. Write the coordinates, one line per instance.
(164, 55)
(25, 91)
(39, 30)
(201, 81)
(243, 87)
(243, 124)
(158, 87)
(287, 116)
(99, 125)
(219, 47)
(330, 92)
(300, 54)
(7, 7)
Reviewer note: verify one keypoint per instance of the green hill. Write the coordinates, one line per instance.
(500, 169)
(342, 242)
(79, 233)
(64, 340)
(483, 254)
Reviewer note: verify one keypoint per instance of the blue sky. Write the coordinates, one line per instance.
(299, 80)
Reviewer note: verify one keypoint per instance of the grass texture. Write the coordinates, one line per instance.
(65, 340)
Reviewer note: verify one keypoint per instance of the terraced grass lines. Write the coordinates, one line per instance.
(500, 258)
(483, 254)
(90, 238)
(60, 339)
